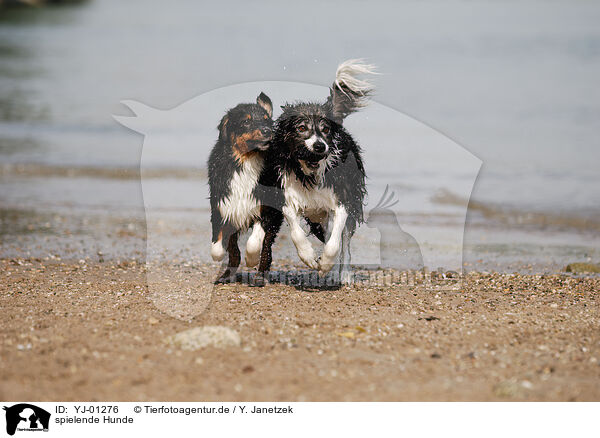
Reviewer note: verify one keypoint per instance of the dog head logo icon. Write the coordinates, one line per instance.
(26, 417)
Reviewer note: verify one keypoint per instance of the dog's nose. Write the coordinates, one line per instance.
(319, 147)
(266, 132)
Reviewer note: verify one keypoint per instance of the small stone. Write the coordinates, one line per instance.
(202, 337)
(526, 384)
(152, 321)
(507, 389)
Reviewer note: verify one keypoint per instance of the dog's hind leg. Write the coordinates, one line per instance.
(234, 260)
(271, 220)
(254, 245)
(317, 229)
(346, 275)
(217, 252)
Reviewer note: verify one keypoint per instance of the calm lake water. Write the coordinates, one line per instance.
(514, 84)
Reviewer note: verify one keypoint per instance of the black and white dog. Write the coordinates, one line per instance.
(314, 170)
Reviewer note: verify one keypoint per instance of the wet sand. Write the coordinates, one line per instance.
(88, 331)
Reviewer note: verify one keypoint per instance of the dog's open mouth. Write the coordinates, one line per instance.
(309, 167)
(311, 158)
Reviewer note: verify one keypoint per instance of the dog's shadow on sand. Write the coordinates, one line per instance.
(301, 280)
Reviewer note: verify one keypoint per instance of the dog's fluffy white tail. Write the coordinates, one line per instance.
(347, 74)
(349, 92)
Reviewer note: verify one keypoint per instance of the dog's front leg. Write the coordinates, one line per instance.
(332, 247)
(303, 246)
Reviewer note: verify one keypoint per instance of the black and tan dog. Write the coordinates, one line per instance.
(234, 167)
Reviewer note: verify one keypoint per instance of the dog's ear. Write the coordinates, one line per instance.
(223, 127)
(285, 107)
(263, 101)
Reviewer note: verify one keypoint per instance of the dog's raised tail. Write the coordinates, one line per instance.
(349, 92)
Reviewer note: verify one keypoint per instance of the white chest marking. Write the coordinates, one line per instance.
(310, 202)
(240, 207)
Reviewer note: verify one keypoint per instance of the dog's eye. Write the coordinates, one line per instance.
(325, 129)
(301, 128)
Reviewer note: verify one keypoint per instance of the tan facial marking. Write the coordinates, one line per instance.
(240, 146)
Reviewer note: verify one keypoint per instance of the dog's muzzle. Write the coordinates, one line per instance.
(261, 145)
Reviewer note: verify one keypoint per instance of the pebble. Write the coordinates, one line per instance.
(202, 337)
(507, 389)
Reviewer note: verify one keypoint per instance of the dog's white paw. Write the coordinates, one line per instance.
(325, 266)
(328, 259)
(307, 255)
(217, 252)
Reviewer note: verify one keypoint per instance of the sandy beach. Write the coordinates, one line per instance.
(87, 331)
(483, 127)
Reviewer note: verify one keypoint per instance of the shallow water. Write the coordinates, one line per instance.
(515, 84)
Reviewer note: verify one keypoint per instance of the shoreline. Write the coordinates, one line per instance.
(114, 232)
